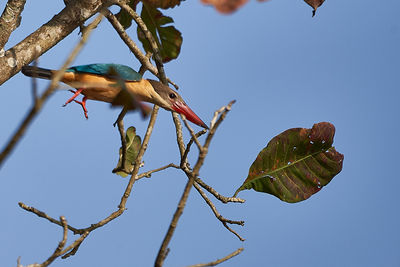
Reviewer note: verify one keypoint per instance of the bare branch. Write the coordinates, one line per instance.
(121, 115)
(123, 141)
(179, 135)
(45, 216)
(216, 262)
(47, 36)
(148, 173)
(194, 137)
(218, 196)
(223, 220)
(10, 20)
(143, 68)
(149, 37)
(60, 246)
(217, 112)
(128, 190)
(43, 98)
(73, 248)
(133, 47)
(187, 150)
(192, 176)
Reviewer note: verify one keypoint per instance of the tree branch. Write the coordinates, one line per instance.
(47, 36)
(60, 246)
(218, 196)
(223, 220)
(10, 20)
(216, 262)
(144, 60)
(192, 176)
(43, 98)
(149, 173)
(45, 216)
(149, 37)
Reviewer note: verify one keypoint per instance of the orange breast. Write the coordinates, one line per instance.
(94, 87)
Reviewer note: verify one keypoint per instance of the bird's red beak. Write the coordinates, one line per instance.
(183, 109)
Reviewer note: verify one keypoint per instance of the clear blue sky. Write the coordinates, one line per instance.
(285, 69)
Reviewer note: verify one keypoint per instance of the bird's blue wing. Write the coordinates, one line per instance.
(116, 71)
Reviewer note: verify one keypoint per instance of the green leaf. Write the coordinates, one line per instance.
(296, 163)
(123, 17)
(168, 38)
(133, 143)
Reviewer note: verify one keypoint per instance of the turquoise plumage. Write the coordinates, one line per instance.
(115, 71)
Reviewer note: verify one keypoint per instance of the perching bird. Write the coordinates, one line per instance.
(102, 82)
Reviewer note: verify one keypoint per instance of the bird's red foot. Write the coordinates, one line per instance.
(83, 104)
(76, 93)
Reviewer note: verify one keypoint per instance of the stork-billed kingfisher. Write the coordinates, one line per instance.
(101, 82)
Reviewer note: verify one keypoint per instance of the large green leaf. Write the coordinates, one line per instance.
(168, 38)
(296, 163)
(133, 143)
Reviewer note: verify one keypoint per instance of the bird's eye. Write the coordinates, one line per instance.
(172, 95)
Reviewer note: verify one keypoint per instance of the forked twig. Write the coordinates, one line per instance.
(60, 246)
(192, 175)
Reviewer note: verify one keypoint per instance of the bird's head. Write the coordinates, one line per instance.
(172, 101)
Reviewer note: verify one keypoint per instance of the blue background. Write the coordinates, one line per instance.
(285, 69)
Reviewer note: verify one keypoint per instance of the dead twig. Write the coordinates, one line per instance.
(73, 248)
(216, 262)
(149, 173)
(217, 195)
(194, 137)
(223, 220)
(47, 217)
(187, 150)
(60, 246)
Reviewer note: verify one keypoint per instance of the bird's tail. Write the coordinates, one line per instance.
(33, 71)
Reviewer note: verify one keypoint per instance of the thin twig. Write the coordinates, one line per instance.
(45, 216)
(223, 220)
(217, 195)
(149, 173)
(60, 246)
(187, 150)
(121, 131)
(121, 207)
(192, 175)
(128, 190)
(179, 135)
(121, 115)
(216, 262)
(194, 137)
(43, 98)
(149, 37)
(73, 248)
(143, 67)
(133, 47)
